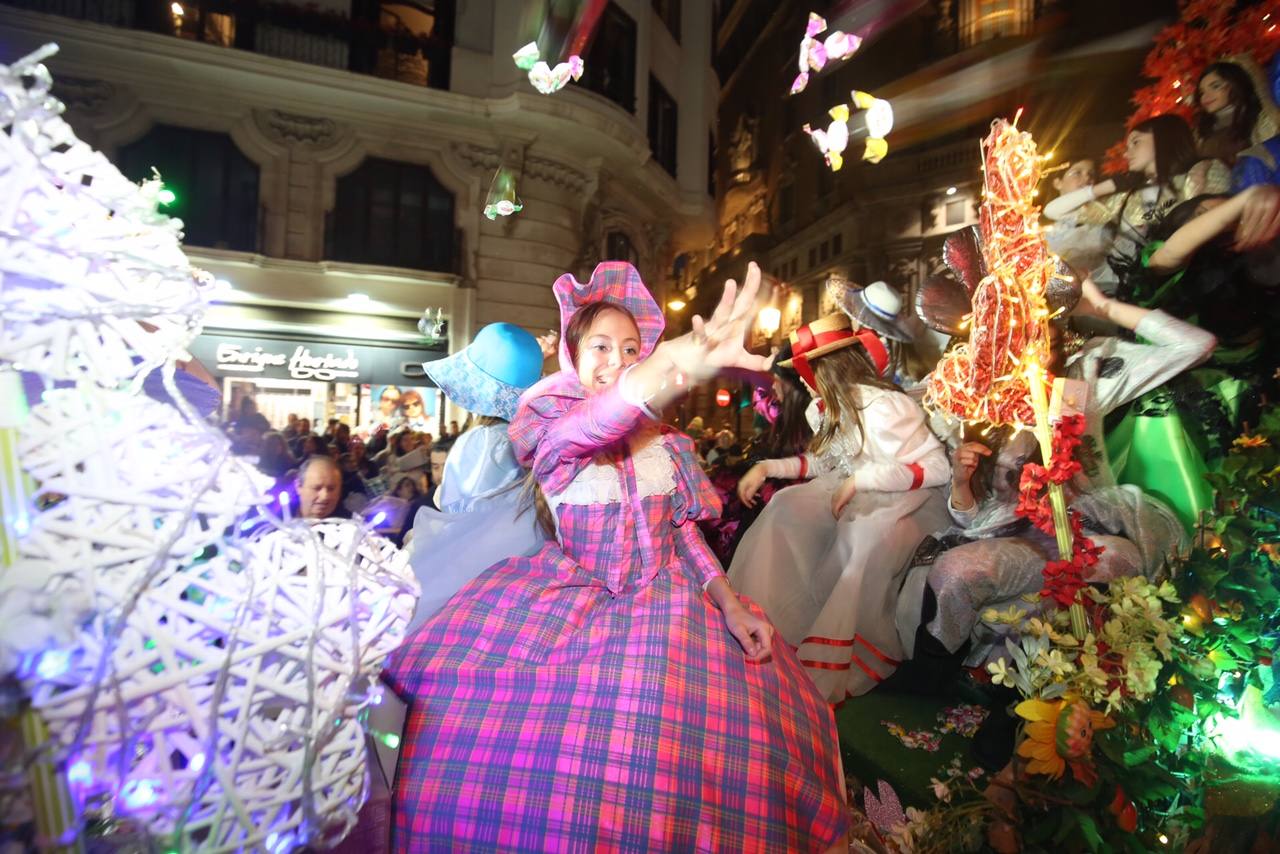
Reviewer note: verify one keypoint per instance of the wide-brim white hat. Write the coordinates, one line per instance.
(879, 307)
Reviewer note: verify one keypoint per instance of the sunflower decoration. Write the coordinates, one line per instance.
(1060, 733)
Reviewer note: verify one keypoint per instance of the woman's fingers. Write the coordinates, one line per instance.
(724, 309)
(747, 296)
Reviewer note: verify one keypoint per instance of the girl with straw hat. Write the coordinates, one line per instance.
(825, 558)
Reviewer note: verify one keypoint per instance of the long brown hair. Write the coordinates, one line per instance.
(839, 375)
(574, 331)
(1241, 95)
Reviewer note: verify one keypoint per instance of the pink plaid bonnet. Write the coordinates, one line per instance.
(616, 282)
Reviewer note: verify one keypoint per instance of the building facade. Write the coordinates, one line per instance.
(331, 162)
(948, 68)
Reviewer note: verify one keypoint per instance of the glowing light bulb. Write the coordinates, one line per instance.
(676, 304)
(80, 773)
(140, 793)
(176, 8)
(53, 664)
(378, 519)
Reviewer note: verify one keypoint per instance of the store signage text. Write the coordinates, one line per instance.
(302, 365)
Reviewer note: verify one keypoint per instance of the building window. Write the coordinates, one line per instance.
(668, 11)
(813, 257)
(981, 20)
(825, 251)
(837, 245)
(955, 212)
(795, 266)
(214, 184)
(412, 47)
(610, 64)
(392, 214)
(663, 125)
(618, 247)
(193, 21)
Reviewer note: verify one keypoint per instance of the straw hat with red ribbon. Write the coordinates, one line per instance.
(828, 334)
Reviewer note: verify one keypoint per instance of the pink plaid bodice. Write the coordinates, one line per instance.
(625, 491)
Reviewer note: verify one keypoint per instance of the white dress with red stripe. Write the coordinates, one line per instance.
(830, 585)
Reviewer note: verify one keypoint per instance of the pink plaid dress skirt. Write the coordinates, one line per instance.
(590, 698)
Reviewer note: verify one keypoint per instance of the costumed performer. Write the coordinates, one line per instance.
(783, 407)
(1170, 436)
(480, 517)
(1233, 108)
(992, 557)
(612, 693)
(1164, 170)
(825, 558)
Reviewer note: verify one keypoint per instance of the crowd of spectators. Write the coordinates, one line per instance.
(338, 473)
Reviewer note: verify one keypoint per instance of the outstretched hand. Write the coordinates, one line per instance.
(716, 343)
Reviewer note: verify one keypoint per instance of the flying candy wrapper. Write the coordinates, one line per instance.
(814, 54)
(879, 119)
(502, 199)
(835, 139)
(544, 78)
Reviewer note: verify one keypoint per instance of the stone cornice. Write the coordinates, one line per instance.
(297, 129)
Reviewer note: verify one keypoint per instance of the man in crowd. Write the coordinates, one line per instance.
(319, 487)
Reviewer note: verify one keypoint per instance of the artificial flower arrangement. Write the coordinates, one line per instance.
(1161, 726)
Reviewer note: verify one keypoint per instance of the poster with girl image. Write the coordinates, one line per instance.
(392, 407)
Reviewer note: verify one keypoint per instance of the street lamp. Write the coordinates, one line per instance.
(769, 320)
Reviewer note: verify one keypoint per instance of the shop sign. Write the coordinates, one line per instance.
(253, 357)
(301, 364)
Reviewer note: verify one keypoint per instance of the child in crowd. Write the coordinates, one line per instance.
(612, 692)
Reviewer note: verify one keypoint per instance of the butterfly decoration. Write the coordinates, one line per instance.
(544, 78)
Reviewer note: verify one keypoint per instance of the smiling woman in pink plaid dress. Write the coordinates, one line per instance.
(611, 693)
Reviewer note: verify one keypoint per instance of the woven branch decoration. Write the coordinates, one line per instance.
(199, 664)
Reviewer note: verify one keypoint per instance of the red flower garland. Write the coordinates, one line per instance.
(1063, 579)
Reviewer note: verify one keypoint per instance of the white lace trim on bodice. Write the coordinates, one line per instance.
(600, 481)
